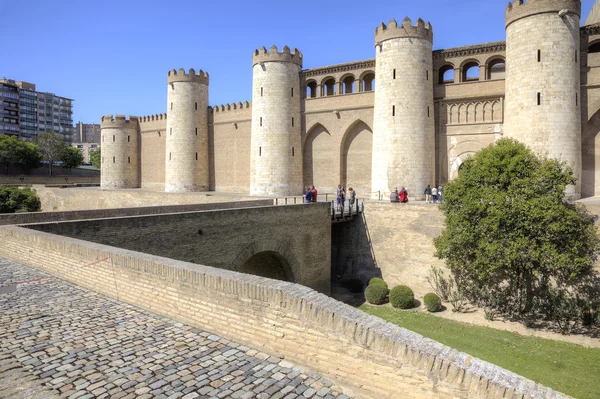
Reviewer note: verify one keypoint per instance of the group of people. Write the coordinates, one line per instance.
(431, 194)
(434, 194)
(311, 194)
(401, 196)
(341, 197)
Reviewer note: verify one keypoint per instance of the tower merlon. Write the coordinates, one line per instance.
(119, 121)
(152, 118)
(520, 9)
(232, 106)
(182, 76)
(392, 30)
(273, 55)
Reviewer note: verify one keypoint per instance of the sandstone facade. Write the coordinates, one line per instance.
(341, 134)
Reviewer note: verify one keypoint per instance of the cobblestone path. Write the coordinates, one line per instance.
(59, 340)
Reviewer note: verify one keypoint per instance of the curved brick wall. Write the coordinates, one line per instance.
(373, 357)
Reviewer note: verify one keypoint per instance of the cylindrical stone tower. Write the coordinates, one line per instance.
(542, 80)
(403, 122)
(276, 149)
(120, 163)
(186, 158)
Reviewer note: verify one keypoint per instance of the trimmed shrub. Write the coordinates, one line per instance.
(13, 200)
(432, 302)
(402, 297)
(376, 294)
(377, 280)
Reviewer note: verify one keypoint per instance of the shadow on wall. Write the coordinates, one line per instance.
(352, 255)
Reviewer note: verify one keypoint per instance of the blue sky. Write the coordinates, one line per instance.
(113, 56)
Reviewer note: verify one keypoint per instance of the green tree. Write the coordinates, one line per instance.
(95, 157)
(17, 152)
(71, 157)
(511, 239)
(52, 147)
(14, 199)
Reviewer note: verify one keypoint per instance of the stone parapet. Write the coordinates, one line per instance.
(521, 9)
(392, 30)
(272, 55)
(182, 76)
(119, 122)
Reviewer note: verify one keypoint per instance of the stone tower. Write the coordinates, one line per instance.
(403, 121)
(276, 152)
(186, 148)
(120, 152)
(543, 80)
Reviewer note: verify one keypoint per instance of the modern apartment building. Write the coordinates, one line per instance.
(86, 133)
(27, 112)
(85, 149)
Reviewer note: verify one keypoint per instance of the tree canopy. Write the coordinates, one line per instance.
(95, 156)
(71, 157)
(17, 152)
(52, 147)
(511, 239)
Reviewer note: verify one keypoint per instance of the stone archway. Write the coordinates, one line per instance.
(356, 158)
(268, 258)
(268, 264)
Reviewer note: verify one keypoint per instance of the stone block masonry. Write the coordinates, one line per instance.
(228, 238)
(376, 359)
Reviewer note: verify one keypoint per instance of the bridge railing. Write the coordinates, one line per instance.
(339, 212)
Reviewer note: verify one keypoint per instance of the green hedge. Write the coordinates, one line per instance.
(433, 303)
(376, 294)
(14, 200)
(402, 297)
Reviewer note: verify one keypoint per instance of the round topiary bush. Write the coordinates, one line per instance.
(377, 280)
(376, 294)
(433, 303)
(402, 297)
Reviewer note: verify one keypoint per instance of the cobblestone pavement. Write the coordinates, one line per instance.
(60, 340)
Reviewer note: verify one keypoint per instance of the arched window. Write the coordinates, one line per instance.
(594, 48)
(329, 87)
(470, 72)
(311, 89)
(446, 74)
(369, 82)
(348, 85)
(496, 69)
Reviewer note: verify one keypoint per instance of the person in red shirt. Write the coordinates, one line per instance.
(403, 195)
(314, 192)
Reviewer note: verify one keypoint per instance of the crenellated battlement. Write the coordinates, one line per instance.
(231, 107)
(519, 9)
(192, 76)
(119, 121)
(392, 30)
(273, 55)
(153, 118)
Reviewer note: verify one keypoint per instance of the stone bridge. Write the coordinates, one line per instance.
(285, 242)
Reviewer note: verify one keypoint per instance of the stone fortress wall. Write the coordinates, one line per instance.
(337, 116)
(372, 357)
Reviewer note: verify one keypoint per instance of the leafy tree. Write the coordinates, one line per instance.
(95, 157)
(14, 199)
(511, 240)
(51, 147)
(17, 152)
(71, 157)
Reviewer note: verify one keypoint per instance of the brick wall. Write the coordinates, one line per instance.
(222, 238)
(42, 217)
(375, 358)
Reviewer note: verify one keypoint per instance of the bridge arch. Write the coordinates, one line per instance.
(268, 258)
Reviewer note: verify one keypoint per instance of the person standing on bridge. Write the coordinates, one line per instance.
(308, 196)
(403, 195)
(428, 194)
(314, 193)
(351, 197)
(394, 197)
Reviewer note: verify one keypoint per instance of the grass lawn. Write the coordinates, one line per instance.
(568, 368)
